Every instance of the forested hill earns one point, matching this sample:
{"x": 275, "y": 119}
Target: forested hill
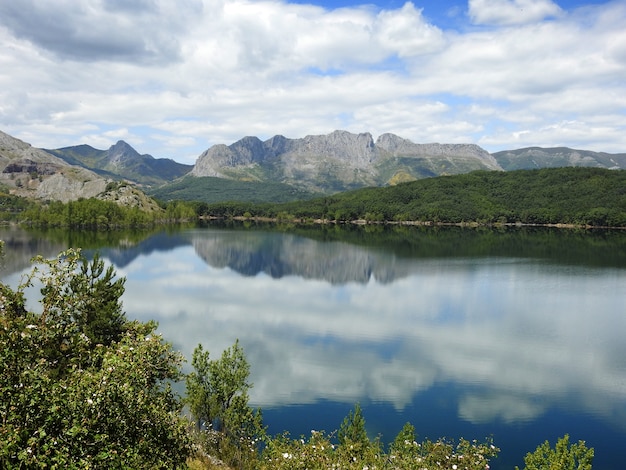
{"x": 584, "y": 196}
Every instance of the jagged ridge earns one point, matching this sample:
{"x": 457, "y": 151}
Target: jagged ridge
{"x": 338, "y": 161}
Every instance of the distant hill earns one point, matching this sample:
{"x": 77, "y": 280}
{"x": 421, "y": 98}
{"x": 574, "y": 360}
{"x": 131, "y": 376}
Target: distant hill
{"x": 339, "y": 161}
{"x": 123, "y": 161}
{"x": 537, "y": 157}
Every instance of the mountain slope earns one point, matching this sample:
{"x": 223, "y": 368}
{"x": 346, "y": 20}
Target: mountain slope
{"x": 537, "y": 157}
{"x": 593, "y": 196}
{"x": 338, "y": 161}
{"x": 34, "y": 173}
{"x": 210, "y": 189}
{"x": 123, "y": 161}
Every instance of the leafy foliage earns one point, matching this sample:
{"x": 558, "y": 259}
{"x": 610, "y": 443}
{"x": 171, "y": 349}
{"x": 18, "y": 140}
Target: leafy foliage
{"x": 11, "y": 207}
{"x": 564, "y": 456}
{"x": 217, "y": 394}
{"x": 75, "y": 396}
{"x": 320, "y": 451}
{"x": 95, "y": 214}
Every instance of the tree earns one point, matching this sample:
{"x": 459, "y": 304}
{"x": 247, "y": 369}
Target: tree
{"x": 70, "y": 403}
{"x": 217, "y": 394}
{"x": 354, "y": 445}
{"x": 564, "y": 456}
{"x": 352, "y": 429}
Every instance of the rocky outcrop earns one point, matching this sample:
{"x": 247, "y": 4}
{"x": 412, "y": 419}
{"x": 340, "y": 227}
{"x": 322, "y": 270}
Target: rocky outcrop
{"x": 30, "y": 172}
{"x": 69, "y": 186}
{"x": 338, "y": 161}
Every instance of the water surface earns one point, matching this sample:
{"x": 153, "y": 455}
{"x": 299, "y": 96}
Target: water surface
{"x": 515, "y": 334}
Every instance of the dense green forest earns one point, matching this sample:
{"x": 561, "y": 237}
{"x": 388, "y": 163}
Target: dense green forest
{"x": 210, "y": 190}
{"x": 101, "y": 215}
{"x": 581, "y": 196}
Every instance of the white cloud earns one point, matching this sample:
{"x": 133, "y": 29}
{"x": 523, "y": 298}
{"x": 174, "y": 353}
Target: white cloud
{"x": 181, "y": 77}
{"x": 507, "y": 12}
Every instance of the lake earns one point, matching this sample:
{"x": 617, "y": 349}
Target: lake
{"x": 516, "y": 334}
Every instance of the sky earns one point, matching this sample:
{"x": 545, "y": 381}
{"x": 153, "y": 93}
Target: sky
{"x": 174, "y": 78}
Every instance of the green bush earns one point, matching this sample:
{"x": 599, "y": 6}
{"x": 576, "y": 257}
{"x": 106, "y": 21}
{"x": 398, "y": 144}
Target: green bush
{"x": 564, "y": 456}
{"x": 73, "y": 399}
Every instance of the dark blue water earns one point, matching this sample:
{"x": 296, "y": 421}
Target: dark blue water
{"x": 516, "y": 335}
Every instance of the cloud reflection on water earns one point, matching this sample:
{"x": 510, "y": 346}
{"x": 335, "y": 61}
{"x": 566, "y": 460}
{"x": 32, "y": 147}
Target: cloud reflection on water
{"x": 523, "y": 335}
{"x": 345, "y": 323}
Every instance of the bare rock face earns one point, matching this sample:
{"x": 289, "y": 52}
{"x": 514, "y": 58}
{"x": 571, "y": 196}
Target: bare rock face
{"x": 340, "y": 160}
{"x": 68, "y": 186}
{"x": 30, "y": 172}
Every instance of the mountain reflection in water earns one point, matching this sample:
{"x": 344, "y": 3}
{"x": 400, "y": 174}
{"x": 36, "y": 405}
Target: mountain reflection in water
{"x": 461, "y": 332}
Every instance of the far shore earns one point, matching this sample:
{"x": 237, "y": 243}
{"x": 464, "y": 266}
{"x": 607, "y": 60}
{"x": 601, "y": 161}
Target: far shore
{"x": 422, "y": 223}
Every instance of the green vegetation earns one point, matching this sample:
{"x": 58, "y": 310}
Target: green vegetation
{"x": 102, "y": 215}
{"x": 84, "y": 387}
{"x": 12, "y": 207}
{"x": 218, "y": 400}
{"x": 81, "y": 386}
{"x": 211, "y": 190}
{"x": 575, "y": 196}
{"x": 564, "y": 456}
{"x": 580, "y": 196}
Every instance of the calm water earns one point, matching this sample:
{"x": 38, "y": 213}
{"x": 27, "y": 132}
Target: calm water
{"x": 517, "y": 335}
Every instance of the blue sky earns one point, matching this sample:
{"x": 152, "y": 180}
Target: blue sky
{"x": 174, "y": 78}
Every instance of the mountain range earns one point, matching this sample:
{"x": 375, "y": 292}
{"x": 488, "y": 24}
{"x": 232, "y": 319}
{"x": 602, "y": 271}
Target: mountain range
{"x": 315, "y": 164}
{"x": 123, "y": 160}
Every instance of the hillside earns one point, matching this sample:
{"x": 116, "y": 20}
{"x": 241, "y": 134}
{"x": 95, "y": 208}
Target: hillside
{"x": 532, "y": 158}
{"x": 29, "y": 172}
{"x": 211, "y": 189}
{"x": 581, "y": 196}
{"x": 121, "y": 161}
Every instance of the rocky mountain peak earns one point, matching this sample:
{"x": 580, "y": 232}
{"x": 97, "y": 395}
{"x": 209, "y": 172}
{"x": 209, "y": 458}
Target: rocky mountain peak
{"x": 338, "y": 161}
{"x": 121, "y": 153}
{"x": 391, "y": 142}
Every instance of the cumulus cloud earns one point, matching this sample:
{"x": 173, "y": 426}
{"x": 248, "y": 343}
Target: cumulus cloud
{"x": 94, "y": 30}
{"x": 507, "y": 12}
{"x": 181, "y": 77}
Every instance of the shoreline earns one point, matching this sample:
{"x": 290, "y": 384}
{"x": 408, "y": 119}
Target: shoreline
{"x": 418, "y": 223}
